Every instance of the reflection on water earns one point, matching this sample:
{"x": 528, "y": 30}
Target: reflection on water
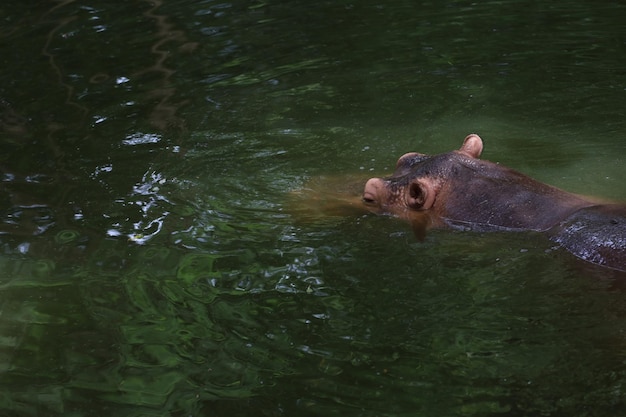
{"x": 167, "y": 174}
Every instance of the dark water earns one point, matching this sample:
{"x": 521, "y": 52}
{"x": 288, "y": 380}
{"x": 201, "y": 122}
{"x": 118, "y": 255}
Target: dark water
{"x": 152, "y": 264}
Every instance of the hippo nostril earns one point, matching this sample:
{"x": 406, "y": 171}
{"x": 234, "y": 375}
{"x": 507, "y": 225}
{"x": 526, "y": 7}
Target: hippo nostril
{"x": 371, "y": 192}
{"x": 368, "y": 198}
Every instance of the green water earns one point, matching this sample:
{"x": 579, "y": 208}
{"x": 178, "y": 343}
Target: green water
{"x": 152, "y": 263}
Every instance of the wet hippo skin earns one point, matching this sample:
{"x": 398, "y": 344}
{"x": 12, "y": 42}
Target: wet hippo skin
{"x": 459, "y": 190}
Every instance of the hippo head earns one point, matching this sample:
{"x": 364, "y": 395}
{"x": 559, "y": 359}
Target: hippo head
{"x": 459, "y": 189}
{"x": 419, "y": 179}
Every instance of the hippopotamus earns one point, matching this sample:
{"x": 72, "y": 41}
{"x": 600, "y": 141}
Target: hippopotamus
{"x": 461, "y": 191}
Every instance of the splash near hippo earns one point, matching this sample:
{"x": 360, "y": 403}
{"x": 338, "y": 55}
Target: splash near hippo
{"x": 461, "y": 191}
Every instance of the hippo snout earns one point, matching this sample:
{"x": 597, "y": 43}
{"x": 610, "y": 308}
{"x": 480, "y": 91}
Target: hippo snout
{"x": 372, "y": 191}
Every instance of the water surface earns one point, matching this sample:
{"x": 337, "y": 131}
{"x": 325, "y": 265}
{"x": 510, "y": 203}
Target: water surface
{"x": 152, "y": 260}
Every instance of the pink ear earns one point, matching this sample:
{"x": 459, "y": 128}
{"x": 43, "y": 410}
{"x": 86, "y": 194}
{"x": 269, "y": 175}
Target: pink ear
{"x": 421, "y": 194}
{"x": 472, "y": 146}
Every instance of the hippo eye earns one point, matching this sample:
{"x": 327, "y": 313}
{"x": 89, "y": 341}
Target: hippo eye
{"x": 409, "y": 159}
{"x": 404, "y": 159}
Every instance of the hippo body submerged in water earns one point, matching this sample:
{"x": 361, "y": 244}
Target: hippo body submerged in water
{"x": 458, "y": 190}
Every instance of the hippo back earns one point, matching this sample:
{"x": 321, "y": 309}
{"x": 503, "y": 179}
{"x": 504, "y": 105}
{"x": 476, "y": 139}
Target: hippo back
{"x": 596, "y": 234}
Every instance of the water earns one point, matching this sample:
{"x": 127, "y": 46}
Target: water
{"x": 155, "y": 261}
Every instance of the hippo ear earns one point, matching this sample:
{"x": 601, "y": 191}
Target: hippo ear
{"x": 420, "y": 195}
{"x": 472, "y": 146}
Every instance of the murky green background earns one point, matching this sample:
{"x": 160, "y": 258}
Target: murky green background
{"x": 152, "y": 264}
